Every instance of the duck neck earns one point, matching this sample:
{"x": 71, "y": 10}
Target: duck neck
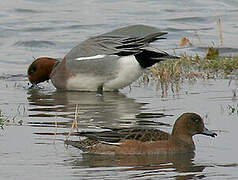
{"x": 182, "y": 137}
{"x": 178, "y": 145}
{"x": 52, "y": 63}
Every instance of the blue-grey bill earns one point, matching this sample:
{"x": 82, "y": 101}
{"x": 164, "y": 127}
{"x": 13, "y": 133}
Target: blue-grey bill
{"x": 208, "y": 132}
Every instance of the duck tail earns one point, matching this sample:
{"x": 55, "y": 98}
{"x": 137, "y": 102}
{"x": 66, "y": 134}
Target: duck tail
{"x": 149, "y": 56}
{"x": 83, "y": 145}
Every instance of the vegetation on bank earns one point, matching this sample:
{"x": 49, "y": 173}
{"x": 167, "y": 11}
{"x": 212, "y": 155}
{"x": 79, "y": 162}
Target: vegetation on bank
{"x": 172, "y": 73}
{"x": 192, "y": 68}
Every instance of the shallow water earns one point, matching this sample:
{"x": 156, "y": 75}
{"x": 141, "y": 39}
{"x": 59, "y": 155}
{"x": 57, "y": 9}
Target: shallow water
{"x": 34, "y": 28}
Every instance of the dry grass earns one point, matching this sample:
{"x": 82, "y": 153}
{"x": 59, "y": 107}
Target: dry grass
{"x": 75, "y": 122}
{"x": 220, "y": 31}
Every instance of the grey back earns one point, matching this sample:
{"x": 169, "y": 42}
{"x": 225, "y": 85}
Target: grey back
{"x": 124, "y": 41}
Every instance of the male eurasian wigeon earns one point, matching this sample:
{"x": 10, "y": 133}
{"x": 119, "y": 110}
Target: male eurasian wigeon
{"x": 145, "y": 141}
{"x": 106, "y": 62}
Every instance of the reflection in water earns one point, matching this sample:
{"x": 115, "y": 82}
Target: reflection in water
{"x": 110, "y": 109}
{"x": 148, "y": 165}
{"x": 110, "y": 106}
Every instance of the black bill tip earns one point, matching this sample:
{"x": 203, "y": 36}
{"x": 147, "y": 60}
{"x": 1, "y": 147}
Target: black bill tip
{"x": 208, "y": 133}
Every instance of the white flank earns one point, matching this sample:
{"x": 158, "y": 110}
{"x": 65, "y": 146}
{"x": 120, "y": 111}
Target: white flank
{"x": 128, "y": 71}
{"x": 91, "y": 57}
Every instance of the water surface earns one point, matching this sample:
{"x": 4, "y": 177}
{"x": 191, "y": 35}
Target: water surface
{"x": 34, "y": 28}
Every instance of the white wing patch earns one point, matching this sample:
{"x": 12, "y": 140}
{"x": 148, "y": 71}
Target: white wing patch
{"x": 100, "y": 56}
{"x": 111, "y": 143}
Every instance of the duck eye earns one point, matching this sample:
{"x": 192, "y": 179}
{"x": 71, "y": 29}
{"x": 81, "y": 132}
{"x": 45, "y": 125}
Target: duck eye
{"x": 196, "y": 120}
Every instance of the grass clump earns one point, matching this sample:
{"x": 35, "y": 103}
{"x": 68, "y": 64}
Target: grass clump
{"x": 188, "y": 67}
{"x": 174, "y": 72}
{"x": 3, "y": 121}
{"x": 232, "y": 109}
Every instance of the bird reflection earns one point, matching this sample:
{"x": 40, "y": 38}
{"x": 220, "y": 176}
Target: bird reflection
{"x": 180, "y": 163}
{"x": 107, "y": 108}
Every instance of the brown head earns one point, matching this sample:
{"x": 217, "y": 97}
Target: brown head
{"x": 189, "y": 124}
{"x": 40, "y": 70}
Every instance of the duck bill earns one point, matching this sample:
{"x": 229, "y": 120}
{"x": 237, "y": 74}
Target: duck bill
{"x": 208, "y": 133}
{"x": 33, "y": 86}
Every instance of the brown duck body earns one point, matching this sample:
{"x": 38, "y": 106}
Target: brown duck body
{"x": 135, "y": 147}
{"x": 148, "y": 142}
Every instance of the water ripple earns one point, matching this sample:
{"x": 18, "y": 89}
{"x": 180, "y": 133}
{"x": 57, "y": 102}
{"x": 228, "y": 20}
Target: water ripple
{"x": 195, "y": 19}
{"x": 34, "y": 43}
{"x": 24, "y": 10}
{"x": 41, "y": 29}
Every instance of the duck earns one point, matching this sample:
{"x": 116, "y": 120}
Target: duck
{"x": 144, "y": 141}
{"x": 107, "y": 62}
